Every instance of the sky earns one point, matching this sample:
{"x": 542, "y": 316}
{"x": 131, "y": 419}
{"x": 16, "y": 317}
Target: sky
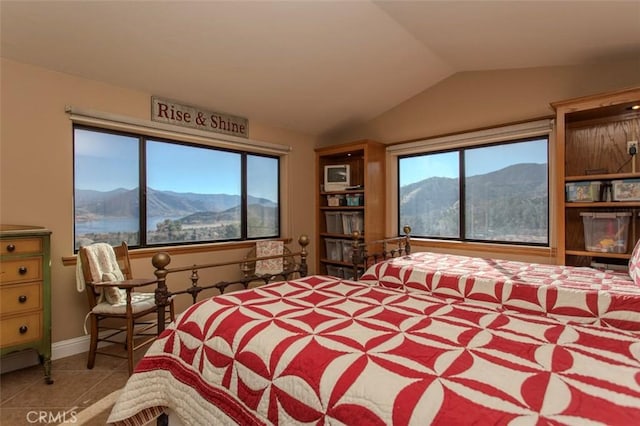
{"x": 105, "y": 162}
{"x": 108, "y": 161}
{"x": 478, "y": 161}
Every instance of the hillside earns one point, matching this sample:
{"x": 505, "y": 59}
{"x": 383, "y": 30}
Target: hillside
{"x": 503, "y": 205}
{"x": 124, "y": 203}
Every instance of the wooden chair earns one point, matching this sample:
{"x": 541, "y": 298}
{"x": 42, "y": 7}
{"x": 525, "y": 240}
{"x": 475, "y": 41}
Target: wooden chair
{"x": 130, "y": 306}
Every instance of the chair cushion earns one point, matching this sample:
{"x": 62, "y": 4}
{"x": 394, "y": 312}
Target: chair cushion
{"x": 114, "y": 295}
{"x": 139, "y": 302}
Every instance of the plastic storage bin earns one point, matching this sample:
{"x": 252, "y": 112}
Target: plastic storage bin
{"x": 334, "y": 222}
{"x": 334, "y": 249}
{"x": 626, "y": 190}
{"x": 582, "y": 191}
{"x": 355, "y": 199}
{"x": 347, "y": 250}
{"x": 606, "y": 232}
{"x": 348, "y": 273}
{"x": 336, "y": 271}
{"x": 340, "y": 272}
{"x": 352, "y": 221}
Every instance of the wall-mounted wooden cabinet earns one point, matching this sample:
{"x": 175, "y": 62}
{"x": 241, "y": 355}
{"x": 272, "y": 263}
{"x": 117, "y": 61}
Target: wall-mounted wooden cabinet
{"x": 361, "y": 207}
{"x": 595, "y": 171}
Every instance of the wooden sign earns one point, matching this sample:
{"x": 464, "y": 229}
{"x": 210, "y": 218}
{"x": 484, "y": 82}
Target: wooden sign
{"x": 167, "y": 111}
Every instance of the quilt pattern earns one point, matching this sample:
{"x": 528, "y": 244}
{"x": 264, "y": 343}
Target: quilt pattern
{"x": 320, "y": 350}
{"x": 564, "y": 292}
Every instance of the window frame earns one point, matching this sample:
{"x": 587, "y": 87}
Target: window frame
{"x": 142, "y": 140}
{"x": 509, "y": 133}
{"x": 462, "y": 194}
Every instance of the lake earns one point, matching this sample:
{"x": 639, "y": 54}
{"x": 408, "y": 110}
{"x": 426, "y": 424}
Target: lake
{"x": 117, "y": 224}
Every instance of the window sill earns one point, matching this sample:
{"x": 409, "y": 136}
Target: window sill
{"x": 148, "y": 252}
{"x": 487, "y": 249}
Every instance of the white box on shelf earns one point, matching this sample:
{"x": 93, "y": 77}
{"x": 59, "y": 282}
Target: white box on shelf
{"x": 335, "y": 200}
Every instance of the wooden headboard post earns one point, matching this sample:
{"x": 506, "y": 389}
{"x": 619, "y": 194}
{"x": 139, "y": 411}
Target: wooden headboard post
{"x": 303, "y": 241}
{"x": 160, "y": 261}
{"x": 407, "y": 240}
{"x": 358, "y": 252}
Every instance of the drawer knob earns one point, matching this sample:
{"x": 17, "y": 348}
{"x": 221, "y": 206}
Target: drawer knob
{"x": 11, "y": 248}
{"x": 22, "y": 298}
{"x": 23, "y": 329}
{"x": 22, "y": 270}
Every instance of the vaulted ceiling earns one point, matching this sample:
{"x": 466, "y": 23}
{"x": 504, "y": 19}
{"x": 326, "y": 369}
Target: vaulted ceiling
{"x": 310, "y": 66}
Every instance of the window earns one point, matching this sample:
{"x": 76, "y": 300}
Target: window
{"x": 192, "y": 193}
{"x": 490, "y": 193}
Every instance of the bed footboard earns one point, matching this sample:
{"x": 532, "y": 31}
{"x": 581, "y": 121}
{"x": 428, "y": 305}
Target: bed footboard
{"x": 367, "y": 253}
{"x": 292, "y": 267}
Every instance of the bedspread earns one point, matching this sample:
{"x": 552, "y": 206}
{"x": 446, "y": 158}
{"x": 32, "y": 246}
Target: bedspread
{"x": 564, "y": 292}
{"x": 320, "y": 350}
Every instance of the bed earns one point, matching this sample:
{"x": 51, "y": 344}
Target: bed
{"x": 323, "y": 350}
{"x": 582, "y": 294}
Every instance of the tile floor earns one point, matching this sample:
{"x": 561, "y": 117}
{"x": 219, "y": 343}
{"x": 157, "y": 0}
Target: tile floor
{"x": 74, "y": 388}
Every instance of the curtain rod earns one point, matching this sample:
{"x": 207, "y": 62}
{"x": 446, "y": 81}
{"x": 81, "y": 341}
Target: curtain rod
{"x": 118, "y": 122}
{"x": 495, "y": 134}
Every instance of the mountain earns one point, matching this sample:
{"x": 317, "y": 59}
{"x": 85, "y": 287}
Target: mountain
{"x": 124, "y": 203}
{"x": 259, "y": 212}
{"x": 514, "y": 198}
{"x": 117, "y": 203}
{"x": 175, "y": 204}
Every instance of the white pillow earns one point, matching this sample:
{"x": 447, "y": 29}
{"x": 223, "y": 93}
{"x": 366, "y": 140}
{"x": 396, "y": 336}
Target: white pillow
{"x": 114, "y": 295}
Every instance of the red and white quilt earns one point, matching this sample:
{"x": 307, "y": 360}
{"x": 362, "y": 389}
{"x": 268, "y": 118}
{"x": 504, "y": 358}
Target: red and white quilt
{"x": 319, "y": 350}
{"x": 565, "y": 292}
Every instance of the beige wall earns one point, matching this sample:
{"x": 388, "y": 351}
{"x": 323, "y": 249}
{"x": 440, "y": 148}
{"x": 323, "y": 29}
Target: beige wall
{"x": 475, "y": 100}
{"x": 36, "y": 171}
{"x": 36, "y": 148}
{"x": 472, "y": 100}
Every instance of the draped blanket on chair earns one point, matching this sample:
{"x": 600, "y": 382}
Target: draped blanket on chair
{"x": 104, "y": 267}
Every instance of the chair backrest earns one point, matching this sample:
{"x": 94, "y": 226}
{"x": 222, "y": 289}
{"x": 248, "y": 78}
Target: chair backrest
{"x": 122, "y": 257}
{"x": 265, "y": 248}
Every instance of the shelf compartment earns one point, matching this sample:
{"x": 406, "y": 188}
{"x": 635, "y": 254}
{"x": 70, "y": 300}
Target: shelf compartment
{"x": 598, "y": 254}
{"x": 608, "y": 176}
{"x": 604, "y": 204}
{"x": 336, "y": 262}
{"x": 367, "y": 168}
{"x": 349, "y": 207}
{"x": 344, "y": 236}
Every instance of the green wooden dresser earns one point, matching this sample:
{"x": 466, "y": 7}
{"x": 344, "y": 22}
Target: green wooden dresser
{"x": 25, "y": 292}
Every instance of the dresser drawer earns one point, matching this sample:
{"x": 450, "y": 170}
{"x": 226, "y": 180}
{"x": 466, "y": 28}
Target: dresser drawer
{"x": 20, "y": 329}
{"x": 21, "y": 246}
{"x": 25, "y": 292}
{"x": 20, "y": 297}
{"x": 21, "y": 270}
